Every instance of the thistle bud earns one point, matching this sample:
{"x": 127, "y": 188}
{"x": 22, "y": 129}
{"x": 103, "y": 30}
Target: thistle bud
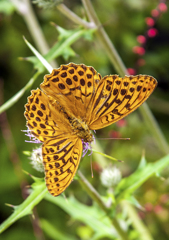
{"x": 110, "y": 177}
{"x": 36, "y": 159}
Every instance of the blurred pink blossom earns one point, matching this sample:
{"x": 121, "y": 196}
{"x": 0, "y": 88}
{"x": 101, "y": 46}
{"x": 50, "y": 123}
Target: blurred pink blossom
{"x": 121, "y": 123}
{"x": 141, "y": 39}
{"x": 139, "y": 50}
{"x": 155, "y": 13}
{"x": 131, "y": 71}
{"x": 162, "y": 7}
{"x": 148, "y": 206}
{"x": 150, "y": 21}
{"x": 152, "y": 32}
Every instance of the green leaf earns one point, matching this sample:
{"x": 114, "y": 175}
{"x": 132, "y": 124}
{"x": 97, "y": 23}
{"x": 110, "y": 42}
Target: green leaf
{"x": 39, "y": 56}
{"x": 91, "y": 216}
{"x": 25, "y": 208}
{"x": 68, "y": 52}
{"x": 128, "y": 185}
{"x": 53, "y": 231}
{"x": 143, "y": 162}
{"x": 6, "y": 7}
{"x": 19, "y": 94}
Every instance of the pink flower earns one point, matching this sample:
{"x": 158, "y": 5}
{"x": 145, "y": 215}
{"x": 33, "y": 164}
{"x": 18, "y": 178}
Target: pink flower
{"x": 155, "y": 13}
{"x": 158, "y": 209}
{"x": 141, "y": 39}
{"x": 139, "y": 50}
{"x": 121, "y": 123}
{"x": 150, "y": 21}
{"x": 152, "y": 32}
{"x": 162, "y": 7}
{"x": 32, "y": 138}
{"x": 114, "y": 134}
{"x": 148, "y": 206}
{"x": 164, "y": 198}
{"x": 131, "y": 71}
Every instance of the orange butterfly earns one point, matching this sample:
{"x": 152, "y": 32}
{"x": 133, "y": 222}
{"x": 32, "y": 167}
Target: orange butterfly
{"x": 73, "y": 100}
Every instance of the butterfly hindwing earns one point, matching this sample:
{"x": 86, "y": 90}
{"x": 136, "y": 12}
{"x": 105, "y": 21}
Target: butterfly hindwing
{"x": 61, "y": 157}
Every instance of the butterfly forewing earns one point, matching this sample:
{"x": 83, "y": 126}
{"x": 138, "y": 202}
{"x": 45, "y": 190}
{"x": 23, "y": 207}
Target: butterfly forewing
{"x": 44, "y": 117}
{"x": 61, "y": 158}
{"x": 125, "y": 95}
{"x": 73, "y": 86}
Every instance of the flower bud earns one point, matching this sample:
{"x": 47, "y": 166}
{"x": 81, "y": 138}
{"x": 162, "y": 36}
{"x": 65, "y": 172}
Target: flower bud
{"x": 110, "y": 177}
{"x": 36, "y": 159}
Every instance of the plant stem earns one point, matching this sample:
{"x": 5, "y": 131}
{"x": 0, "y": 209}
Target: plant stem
{"x": 91, "y": 191}
{"x": 25, "y": 9}
{"x": 26, "y": 207}
{"x": 159, "y": 105}
{"x": 19, "y": 94}
{"x": 103, "y": 37}
{"x": 152, "y": 124}
{"x": 136, "y": 221}
{"x": 96, "y": 197}
{"x": 76, "y": 19}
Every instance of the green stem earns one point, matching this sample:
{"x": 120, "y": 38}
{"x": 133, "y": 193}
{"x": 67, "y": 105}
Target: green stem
{"x": 91, "y": 191}
{"x": 152, "y": 124}
{"x": 70, "y": 40}
{"x": 159, "y": 105}
{"x": 19, "y": 94}
{"x": 96, "y": 197}
{"x": 103, "y": 37}
{"x": 25, "y": 9}
{"x": 136, "y": 221}
{"x": 76, "y": 19}
{"x": 26, "y": 207}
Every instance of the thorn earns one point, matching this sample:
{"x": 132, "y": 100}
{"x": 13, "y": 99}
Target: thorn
{"x": 33, "y": 216}
{"x": 120, "y": 160}
{"x": 53, "y": 24}
{"x": 9, "y": 205}
{"x": 22, "y": 58}
{"x": 27, "y": 173}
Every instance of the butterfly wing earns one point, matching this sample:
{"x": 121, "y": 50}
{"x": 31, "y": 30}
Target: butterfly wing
{"x": 116, "y": 97}
{"x": 44, "y": 117}
{"x": 61, "y": 157}
{"x": 73, "y": 86}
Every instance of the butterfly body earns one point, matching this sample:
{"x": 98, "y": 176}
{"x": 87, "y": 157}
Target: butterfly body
{"x": 74, "y": 100}
{"x": 81, "y": 129}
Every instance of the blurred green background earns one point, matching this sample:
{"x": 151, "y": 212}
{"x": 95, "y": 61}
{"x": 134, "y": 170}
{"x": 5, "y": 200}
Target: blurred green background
{"x": 123, "y": 22}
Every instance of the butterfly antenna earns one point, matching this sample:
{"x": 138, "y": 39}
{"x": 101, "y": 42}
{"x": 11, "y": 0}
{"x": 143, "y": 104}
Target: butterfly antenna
{"x": 113, "y": 138}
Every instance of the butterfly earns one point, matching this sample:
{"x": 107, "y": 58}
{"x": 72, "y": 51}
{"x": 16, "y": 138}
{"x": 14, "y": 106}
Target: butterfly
{"x": 73, "y": 100}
